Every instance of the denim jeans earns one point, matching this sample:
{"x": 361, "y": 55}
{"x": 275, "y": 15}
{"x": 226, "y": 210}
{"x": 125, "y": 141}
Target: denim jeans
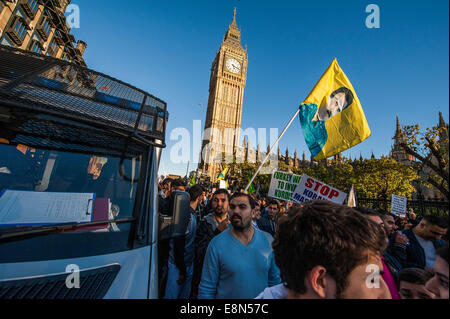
{"x": 173, "y": 289}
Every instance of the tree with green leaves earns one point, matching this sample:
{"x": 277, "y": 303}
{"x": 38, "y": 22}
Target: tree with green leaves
{"x": 380, "y": 178}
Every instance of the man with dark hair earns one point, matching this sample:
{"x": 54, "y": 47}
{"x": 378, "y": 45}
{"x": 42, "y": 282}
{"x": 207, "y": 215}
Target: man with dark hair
{"x": 390, "y": 264}
{"x": 166, "y": 186}
{"x": 268, "y": 223}
{"x": 256, "y": 214}
{"x": 325, "y": 250}
{"x": 239, "y": 262}
{"x": 439, "y": 283}
{"x": 163, "y": 199}
{"x": 181, "y": 254}
{"x": 389, "y": 223}
{"x": 424, "y": 240}
{"x": 412, "y": 283}
{"x": 178, "y": 185}
{"x": 371, "y": 214}
{"x": 215, "y": 222}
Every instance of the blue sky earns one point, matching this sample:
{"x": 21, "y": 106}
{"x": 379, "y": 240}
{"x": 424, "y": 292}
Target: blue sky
{"x": 166, "y": 48}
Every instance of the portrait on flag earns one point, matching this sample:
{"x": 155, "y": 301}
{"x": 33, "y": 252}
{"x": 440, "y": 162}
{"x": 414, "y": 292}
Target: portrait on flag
{"x": 331, "y": 116}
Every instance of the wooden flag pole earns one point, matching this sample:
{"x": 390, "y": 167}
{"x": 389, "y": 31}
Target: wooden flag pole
{"x": 270, "y": 151}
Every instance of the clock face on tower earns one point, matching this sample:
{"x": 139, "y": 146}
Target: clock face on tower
{"x": 233, "y": 65}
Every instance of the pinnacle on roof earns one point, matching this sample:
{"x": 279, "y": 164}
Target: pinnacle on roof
{"x": 441, "y": 120}
{"x": 233, "y": 23}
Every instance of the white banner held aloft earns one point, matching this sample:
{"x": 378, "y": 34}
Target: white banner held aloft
{"x": 310, "y": 189}
{"x": 398, "y": 205}
{"x": 282, "y": 185}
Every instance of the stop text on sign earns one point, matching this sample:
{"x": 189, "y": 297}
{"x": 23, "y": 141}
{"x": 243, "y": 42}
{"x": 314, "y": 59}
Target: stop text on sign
{"x": 310, "y": 189}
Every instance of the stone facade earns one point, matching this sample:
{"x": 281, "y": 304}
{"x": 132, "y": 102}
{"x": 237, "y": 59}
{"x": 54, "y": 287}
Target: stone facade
{"x": 400, "y": 155}
{"x": 226, "y": 94}
{"x": 39, "y": 26}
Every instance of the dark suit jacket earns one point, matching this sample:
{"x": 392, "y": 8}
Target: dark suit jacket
{"x": 412, "y": 255}
{"x": 267, "y": 224}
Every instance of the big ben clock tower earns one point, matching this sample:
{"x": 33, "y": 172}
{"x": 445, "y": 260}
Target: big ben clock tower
{"x": 226, "y": 93}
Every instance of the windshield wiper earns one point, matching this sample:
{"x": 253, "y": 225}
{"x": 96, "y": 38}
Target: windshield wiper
{"x": 38, "y": 230}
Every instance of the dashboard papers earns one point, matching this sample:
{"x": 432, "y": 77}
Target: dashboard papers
{"x": 44, "y": 208}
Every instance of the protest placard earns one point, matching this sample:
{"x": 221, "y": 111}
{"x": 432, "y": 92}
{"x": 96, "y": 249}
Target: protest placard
{"x": 282, "y": 185}
{"x": 309, "y": 189}
{"x": 398, "y": 205}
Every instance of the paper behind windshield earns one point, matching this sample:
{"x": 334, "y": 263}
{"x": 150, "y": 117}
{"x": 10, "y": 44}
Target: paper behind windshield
{"x": 44, "y": 208}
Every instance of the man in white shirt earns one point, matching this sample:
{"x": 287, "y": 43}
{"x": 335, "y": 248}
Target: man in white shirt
{"x": 424, "y": 240}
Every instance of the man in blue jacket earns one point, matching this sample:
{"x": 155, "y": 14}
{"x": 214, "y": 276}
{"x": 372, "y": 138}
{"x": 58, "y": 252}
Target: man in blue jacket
{"x": 268, "y": 223}
{"x": 424, "y": 240}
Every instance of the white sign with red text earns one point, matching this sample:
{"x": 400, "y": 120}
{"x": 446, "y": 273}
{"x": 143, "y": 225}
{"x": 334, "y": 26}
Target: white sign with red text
{"x": 310, "y": 189}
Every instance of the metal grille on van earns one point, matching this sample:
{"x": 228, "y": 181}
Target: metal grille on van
{"x": 48, "y": 85}
{"x": 94, "y": 284}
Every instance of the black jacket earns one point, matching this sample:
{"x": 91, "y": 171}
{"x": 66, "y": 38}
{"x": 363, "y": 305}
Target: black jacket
{"x": 206, "y": 230}
{"x": 412, "y": 255}
{"x": 267, "y": 224}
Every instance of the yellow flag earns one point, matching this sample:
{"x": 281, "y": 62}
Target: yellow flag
{"x": 222, "y": 175}
{"x": 331, "y": 116}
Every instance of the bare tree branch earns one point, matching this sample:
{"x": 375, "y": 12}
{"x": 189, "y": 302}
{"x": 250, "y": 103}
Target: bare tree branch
{"x": 436, "y": 153}
{"x": 426, "y": 161}
{"x": 441, "y": 188}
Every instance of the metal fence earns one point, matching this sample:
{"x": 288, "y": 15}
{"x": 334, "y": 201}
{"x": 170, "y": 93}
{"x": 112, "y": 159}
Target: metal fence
{"x": 421, "y": 207}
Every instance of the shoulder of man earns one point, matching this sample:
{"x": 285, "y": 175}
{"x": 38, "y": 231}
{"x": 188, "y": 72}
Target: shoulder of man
{"x": 265, "y": 236}
{"x": 220, "y": 239}
{"x": 439, "y": 243}
{"x": 409, "y": 233}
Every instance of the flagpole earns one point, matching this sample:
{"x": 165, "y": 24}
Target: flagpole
{"x": 270, "y": 151}
{"x": 187, "y": 169}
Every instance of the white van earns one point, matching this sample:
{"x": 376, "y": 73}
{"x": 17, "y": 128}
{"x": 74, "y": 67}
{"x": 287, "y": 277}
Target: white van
{"x": 79, "y": 155}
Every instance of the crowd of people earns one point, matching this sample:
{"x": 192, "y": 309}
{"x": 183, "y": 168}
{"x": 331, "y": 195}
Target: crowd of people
{"x": 238, "y": 246}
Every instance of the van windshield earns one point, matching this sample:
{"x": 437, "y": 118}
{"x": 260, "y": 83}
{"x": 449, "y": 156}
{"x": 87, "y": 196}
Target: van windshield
{"x": 45, "y": 187}
{"x": 49, "y": 177}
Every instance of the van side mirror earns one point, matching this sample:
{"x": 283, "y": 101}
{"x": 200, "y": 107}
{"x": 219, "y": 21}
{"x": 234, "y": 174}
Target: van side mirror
{"x": 175, "y": 223}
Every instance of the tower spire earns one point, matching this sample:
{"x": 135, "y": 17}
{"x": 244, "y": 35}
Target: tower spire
{"x": 233, "y": 23}
{"x": 233, "y": 35}
{"x": 441, "y": 120}
{"x": 399, "y": 128}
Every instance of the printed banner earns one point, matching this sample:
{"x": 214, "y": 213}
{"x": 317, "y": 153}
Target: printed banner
{"x": 309, "y": 189}
{"x": 282, "y": 185}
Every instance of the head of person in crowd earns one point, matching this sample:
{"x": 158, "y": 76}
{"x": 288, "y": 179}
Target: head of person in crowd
{"x": 431, "y": 227}
{"x": 411, "y": 283}
{"x": 289, "y": 205}
{"x": 371, "y": 214}
{"x": 411, "y": 215}
{"x": 389, "y": 223}
{"x": 203, "y": 197}
{"x": 273, "y": 208}
{"x": 241, "y": 211}
{"x": 178, "y": 185}
{"x": 166, "y": 184}
{"x": 263, "y": 202}
{"x": 324, "y": 250}
{"x": 220, "y": 202}
{"x": 438, "y": 284}
{"x": 196, "y": 195}
{"x": 256, "y": 211}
